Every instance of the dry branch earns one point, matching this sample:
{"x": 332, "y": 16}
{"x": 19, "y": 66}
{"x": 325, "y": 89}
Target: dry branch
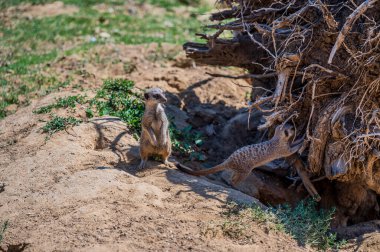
{"x": 284, "y": 46}
{"x": 348, "y": 25}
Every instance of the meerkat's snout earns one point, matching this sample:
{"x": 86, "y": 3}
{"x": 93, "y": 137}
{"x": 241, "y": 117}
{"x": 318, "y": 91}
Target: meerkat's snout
{"x": 163, "y": 98}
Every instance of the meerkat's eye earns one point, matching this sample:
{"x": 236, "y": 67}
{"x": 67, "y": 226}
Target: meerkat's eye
{"x": 146, "y": 96}
{"x": 157, "y": 96}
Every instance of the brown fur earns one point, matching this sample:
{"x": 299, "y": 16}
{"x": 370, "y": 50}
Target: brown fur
{"x": 155, "y": 139}
{"x": 245, "y": 159}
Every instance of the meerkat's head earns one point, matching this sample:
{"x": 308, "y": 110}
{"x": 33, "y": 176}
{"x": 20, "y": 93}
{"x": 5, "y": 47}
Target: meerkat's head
{"x": 154, "y": 95}
{"x": 286, "y": 136}
{"x": 284, "y": 132}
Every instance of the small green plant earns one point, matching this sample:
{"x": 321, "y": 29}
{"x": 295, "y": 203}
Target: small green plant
{"x": 116, "y": 98}
{"x": 305, "y": 223}
{"x": 66, "y": 102}
{"x": 2, "y": 230}
{"x": 59, "y": 123}
{"x": 186, "y": 142}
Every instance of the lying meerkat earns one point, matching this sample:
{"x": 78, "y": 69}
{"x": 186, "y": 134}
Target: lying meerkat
{"x": 155, "y": 139}
{"x": 245, "y": 159}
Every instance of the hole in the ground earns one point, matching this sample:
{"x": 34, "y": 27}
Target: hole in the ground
{"x": 16, "y": 247}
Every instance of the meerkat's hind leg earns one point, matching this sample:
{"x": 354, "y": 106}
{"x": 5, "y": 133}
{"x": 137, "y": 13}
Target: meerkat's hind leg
{"x": 165, "y": 157}
{"x": 142, "y": 163}
{"x": 144, "y": 159}
{"x": 239, "y": 177}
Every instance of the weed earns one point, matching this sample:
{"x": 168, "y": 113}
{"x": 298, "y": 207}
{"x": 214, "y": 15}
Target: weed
{"x": 304, "y": 223}
{"x": 59, "y": 123}
{"x": 116, "y": 98}
{"x": 2, "y": 230}
{"x": 186, "y": 142}
{"x": 89, "y": 113}
{"x": 66, "y": 102}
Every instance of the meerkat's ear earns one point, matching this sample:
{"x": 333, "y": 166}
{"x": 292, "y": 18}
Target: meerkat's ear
{"x": 146, "y": 96}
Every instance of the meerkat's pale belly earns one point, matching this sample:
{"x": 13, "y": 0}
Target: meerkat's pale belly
{"x": 156, "y": 126}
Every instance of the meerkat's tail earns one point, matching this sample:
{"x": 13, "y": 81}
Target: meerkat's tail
{"x": 212, "y": 170}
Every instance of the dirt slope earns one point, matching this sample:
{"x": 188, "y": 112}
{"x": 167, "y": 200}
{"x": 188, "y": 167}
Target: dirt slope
{"x": 80, "y": 191}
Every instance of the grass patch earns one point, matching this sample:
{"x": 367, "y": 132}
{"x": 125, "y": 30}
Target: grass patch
{"x": 20, "y": 66}
{"x": 28, "y": 45}
{"x": 66, "y": 102}
{"x": 116, "y": 98}
{"x": 305, "y": 223}
{"x": 3, "y": 228}
{"x": 59, "y": 123}
{"x": 27, "y": 87}
{"x": 122, "y": 27}
{"x": 81, "y": 3}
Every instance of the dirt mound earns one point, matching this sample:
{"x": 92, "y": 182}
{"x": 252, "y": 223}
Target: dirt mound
{"x": 80, "y": 190}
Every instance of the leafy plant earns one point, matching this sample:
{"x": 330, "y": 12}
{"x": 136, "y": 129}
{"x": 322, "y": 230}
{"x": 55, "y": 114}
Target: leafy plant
{"x": 59, "y": 123}
{"x": 116, "y": 98}
{"x": 2, "y": 230}
{"x": 186, "y": 142}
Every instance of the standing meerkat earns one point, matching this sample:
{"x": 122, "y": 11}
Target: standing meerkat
{"x": 245, "y": 159}
{"x": 155, "y": 139}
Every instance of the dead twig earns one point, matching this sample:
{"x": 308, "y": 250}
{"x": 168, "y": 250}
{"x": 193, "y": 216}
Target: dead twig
{"x": 348, "y": 25}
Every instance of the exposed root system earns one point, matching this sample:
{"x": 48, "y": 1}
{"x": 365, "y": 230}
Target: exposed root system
{"x": 318, "y": 63}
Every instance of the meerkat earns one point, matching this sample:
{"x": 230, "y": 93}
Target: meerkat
{"x": 245, "y": 159}
{"x": 155, "y": 139}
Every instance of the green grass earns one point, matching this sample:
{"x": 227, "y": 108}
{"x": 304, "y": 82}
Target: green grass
{"x": 125, "y": 28}
{"x": 66, "y": 102}
{"x": 81, "y": 3}
{"x": 87, "y": 3}
{"x": 28, "y": 87}
{"x": 305, "y": 223}
{"x": 29, "y": 45}
{"x": 3, "y": 228}
{"x": 59, "y": 123}
{"x": 116, "y": 98}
